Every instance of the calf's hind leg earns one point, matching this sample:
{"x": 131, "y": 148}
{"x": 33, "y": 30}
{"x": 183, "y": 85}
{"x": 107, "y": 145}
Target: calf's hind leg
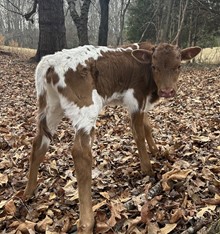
{"x": 82, "y": 157}
{"x": 46, "y": 127}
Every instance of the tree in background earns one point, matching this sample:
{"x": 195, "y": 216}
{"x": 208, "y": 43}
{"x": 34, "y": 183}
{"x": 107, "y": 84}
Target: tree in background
{"x": 80, "y": 20}
{"x": 13, "y": 26}
{"x": 52, "y": 31}
{"x": 103, "y": 28}
{"x": 141, "y": 21}
{"x": 190, "y": 21}
{"x": 123, "y": 10}
{"x": 187, "y": 22}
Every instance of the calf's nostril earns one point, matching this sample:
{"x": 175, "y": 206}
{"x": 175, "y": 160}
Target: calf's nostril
{"x": 167, "y": 93}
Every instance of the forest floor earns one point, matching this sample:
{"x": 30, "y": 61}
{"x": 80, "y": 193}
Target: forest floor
{"x": 184, "y": 196}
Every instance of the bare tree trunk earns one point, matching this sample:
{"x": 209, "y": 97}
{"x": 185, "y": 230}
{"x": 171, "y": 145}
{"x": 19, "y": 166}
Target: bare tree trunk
{"x": 164, "y": 19}
{"x": 81, "y": 21}
{"x": 195, "y": 29}
{"x": 124, "y": 7}
{"x": 103, "y": 28}
{"x": 167, "y": 20}
{"x": 52, "y": 35}
{"x": 189, "y": 43}
{"x": 182, "y": 14}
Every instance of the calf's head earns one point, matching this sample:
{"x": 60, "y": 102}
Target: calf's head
{"x": 165, "y": 60}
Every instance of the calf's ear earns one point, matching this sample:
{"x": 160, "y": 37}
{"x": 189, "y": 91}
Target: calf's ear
{"x": 142, "y": 56}
{"x": 190, "y": 52}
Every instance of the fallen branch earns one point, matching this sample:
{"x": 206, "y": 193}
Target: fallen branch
{"x": 155, "y": 191}
{"x": 199, "y": 224}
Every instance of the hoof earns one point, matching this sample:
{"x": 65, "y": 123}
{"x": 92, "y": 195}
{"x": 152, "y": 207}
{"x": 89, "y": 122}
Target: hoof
{"x": 148, "y": 171}
{"x": 27, "y": 195}
{"x": 154, "y": 151}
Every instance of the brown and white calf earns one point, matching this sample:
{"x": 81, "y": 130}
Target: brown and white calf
{"x": 77, "y": 83}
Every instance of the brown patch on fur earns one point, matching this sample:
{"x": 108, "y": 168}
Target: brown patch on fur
{"x": 167, "y": 53}
{"x": 143, "y": 45}
{"x": 147, "y": 46}
{"x": 42, "y": 126}
{"x": 51, "y": 76}
{"x": 79, "y": 86}
{"x": 42, "y": 102}
{"x": 119, "y": 71}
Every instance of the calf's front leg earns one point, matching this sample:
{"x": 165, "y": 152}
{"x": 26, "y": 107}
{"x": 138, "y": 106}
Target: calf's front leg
{"x": 138, "y": 130}
{"x": 82, "y": 157}
{"x": 148, "y": 135}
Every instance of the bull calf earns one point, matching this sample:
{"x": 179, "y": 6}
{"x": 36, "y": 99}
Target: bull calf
{"x": 77, "y": 83}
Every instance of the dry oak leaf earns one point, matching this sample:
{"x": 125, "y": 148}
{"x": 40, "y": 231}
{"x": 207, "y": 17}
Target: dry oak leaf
{"x": 145, "y": 213}
{"x": 66, "y": 224}
{"x": 43, "y": 224}
{"x": 10, "y": 207}
{"x": 177, "y": 215}
{"x": 2, "y": 203}
{"x": 208, "y": 208}
{"x": 26, "y": 227}
{"x": 152, "y": 227}
{"x": 3, "y": 179}
{"x": 168, "y": 228}
{"x": 131, "y": 224}
{"x": 212, "y": 201}
{"x": 116, "y": 209}
{"x": 100, "y": 204}
{"x": 175, "y": 174}
{"x": 202, "y": 139}
{"x": 102, "y": 225}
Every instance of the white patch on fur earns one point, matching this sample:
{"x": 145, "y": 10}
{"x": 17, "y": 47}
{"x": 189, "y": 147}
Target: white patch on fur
{"x": 130, "y": 101}
{"x": 115, "y": 99}
{"x": 68, "y": 59}
{"x": 125, "y": 98}
{"x": 136, "y": 44}
{"x": 85, "y": 117}
{"x": 54, "y": 112}
{"x": 148, "y": 106}
{"x": 45, "y": 141}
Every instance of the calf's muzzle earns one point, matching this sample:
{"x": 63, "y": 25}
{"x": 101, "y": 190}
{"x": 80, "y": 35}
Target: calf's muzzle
{"x": 167, "y": 93}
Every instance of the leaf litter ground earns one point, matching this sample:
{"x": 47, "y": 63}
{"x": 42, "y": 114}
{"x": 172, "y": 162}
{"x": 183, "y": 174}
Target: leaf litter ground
{"x": 184, "y": 196}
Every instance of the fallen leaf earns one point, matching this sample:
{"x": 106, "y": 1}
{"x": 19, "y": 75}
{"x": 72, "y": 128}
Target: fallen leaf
{"x": 3, "y": 179}
{"x": 10, "y": 207}
{"x": 43, "y": 224}
{"x": 105, "y": 195}
{"x": 152, "y": 228}
{"x": 208, "y": 208}
{"x": 201, "y": 138}
{"x": 168, "y": 228}
{"x": 116, "y": 208}
{"x": 98, "y": 205}
{"x": 178, "y": 214}
{"x": 26, "y": 227}
{"x": 145, "y": 213}
{"x": 2, "y": 203}
{"x": 174, "y": 174}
